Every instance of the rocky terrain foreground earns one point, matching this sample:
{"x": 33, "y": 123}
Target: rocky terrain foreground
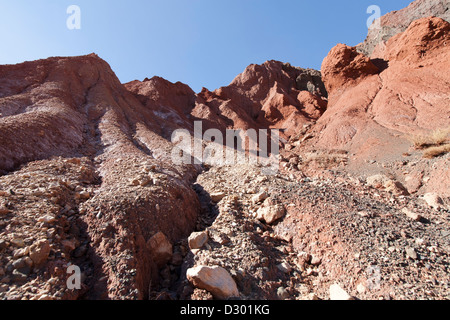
{"x": 359, "y": 209}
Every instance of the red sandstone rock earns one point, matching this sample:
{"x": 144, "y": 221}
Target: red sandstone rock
{"x": 373, "y": 114}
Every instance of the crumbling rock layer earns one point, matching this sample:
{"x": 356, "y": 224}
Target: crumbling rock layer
{"x": 377, "y": 104}
{"x": 72, "y": 108}
{"x": 397, "y": 22}
{"x": 271, "y": 95}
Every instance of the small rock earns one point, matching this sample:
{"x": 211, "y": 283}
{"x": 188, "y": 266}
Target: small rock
{"x": 85, "y": 195}
{"x": 410, "y": 214}
{"x": 3, "y": 244}
{"x": 198, "y": 239}
{"x": 161, "y": 249}
{"x": 433, "y": 200}
{"x": 271, "y": 214}
{"x": 377, "y": 181}
{"x": 216, "y": 280}
{"x": 146, "y": 181}
{"x": 315, "y": 261}
{"x": 47, "y": 219}
{"x": 337, "y": 293}
{"x": 19, "y": 277}
{"x": 396, "y": 188}
{"x": 18, "y": 242}
{"x": 260, "y": 197}
{"x": 411, "y": 253}
{"x": 312, "y": 297}
{"x": 69, "y": 245}
{"x": 217, "y": 196}
{"x": 134, "y": 182}
{"x": 284, "y": 267}
{"x": 3, "y": 211}
{"x": 282, "y": 293}
{"x": 21, "y": 252}
{"x": 361, "y": 288}
{"x": 39, "y": 252}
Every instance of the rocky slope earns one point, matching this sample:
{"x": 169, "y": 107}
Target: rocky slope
{"x": 396, "y": 22}
{"x": 377, "y": 106}
{"x": 355, "y": 211}
{"x": 271, "y": 95}
{"x": 88, "y": 176}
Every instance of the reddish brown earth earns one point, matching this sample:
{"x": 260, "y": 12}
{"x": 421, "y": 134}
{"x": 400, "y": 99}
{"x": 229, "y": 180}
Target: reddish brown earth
{"x": 87, "y": 177}
{"x": 376, "y": 105}
{"x": 84, "y": 133}
{"x": 271, "y": 95}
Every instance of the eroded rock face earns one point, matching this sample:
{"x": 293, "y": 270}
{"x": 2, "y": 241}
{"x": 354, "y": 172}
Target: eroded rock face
{"x": 273, "y": 94}
{"x": 396, "y": 22}
{"x": 85, "y": 136}
{"x": 376, "y": 104}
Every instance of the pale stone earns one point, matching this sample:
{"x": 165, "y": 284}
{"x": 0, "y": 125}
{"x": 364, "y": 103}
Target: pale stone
{"x": 271, "y": 214}
{"x": 410, "y": 214}
{"x": 433, "y": 200}
{"x": 260, "y": 197}
{"x": 217, "y": 196}
{"x": 198, "y": 239}
{"x": 216, "y": 280}
{"x": 337, "y": 293}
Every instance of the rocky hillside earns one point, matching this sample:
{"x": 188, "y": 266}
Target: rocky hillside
{"x": 360, "y": 207}
{"x": 396, "y": 22}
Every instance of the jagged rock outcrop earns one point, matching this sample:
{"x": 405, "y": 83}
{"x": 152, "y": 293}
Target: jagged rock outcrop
{"x": 273, "y": 94}
{"x": 396, "y": 22}
{"x": 376, "y": 104}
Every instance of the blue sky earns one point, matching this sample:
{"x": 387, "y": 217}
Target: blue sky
{"x": 203, "y": 43}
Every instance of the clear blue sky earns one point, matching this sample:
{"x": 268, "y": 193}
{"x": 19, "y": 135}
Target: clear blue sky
{"x": 198, "y": 42}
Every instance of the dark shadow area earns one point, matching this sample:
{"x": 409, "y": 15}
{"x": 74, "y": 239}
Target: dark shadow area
{"x": 380, "y": 64}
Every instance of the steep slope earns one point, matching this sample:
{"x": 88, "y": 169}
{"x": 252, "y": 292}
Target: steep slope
{"x": 376, "y": 105}
{"x": 89, "y": 176}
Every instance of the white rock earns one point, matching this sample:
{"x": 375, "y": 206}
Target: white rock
{"x": 433, "y": 200}
{"x": 410, "y": 214}
{"x": 361, "y": 288}
{"x": 217, "y": 196}
{"x": 337, "y": 293}
{"x": 271, "y": 214}
{"x": 260, "y": 197}
{"x": 216, "y": 280}
{"x": 198, "y": 239}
